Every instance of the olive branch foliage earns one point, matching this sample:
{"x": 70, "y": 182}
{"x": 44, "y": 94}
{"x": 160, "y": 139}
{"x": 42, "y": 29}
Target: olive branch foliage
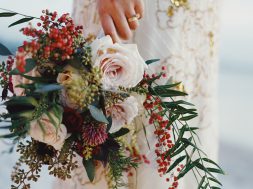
{"x": 178, "y": 112}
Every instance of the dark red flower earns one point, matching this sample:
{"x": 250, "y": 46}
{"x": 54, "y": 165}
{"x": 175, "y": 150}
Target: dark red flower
{"x": 73, "y": 120}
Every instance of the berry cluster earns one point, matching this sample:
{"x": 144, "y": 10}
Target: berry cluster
{"x": 53, "y": 40}
{"x": 153, "y": 105}
{"x": 5, "y": 68}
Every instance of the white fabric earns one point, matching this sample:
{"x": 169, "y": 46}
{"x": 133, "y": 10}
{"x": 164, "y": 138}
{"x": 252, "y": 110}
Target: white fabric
{"x": 185, "y": 38}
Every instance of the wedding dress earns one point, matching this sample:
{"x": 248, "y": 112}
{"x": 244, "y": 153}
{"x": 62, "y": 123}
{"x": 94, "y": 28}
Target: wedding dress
{"x": 184, "y": 35}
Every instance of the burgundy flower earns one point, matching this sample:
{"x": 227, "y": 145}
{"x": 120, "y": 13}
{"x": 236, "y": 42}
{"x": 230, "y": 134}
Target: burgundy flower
{"x": 72, "y": 120}
{"x": 94, "y": 135}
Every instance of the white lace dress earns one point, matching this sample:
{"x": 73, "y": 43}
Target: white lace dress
{"x": 184, "y": 35}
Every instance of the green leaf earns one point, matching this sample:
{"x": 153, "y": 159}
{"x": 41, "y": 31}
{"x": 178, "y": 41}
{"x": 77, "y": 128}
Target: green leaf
{"x": 175, "y": 104}
{"x": 36, "y": 79}
{"x": 29, "y": 66}
{"x": 121, "y": 132}
{"x": 176, "y": 163}
{"x": 109, "y": 124}
{"x": 201, "y": 182}
{"x": 167, "y": 93}
{"x": 12, "y": 135}
{"x": 215, "y": 180}
{"x": 7, "y": 14}
{"x": 215, "y": 187}
{"x": 188, "y": 141}
{"x": 152, "y": 61}
{"x": 58, "y": 112}
{"x": 22, "y": 100}
{"x": 4, "y": 51}
{"x": 172, "y": 119}
{"x": 187, "y": 118}
{"x": 97, "y": 114}
{"x": 5, "y": 127}
{"x": 187, "y": 168}
{"x": 90, "y": 169}
{"x": 22, "y": 20}
{"x": 212, "y": 162}
{"x": 179, "y": 150}
{"x": 168, "y": 86}
{"x": 47, "y": 88}
{"x": 174, "y": 148}
{"x": 214, "y": 170}
{"x": 145, "y": 133}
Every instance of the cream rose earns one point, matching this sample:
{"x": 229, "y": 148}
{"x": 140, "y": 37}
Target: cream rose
{"x": 123, "y": 113}
{"x": 45, "y": 131}
{"x": 69, "y": 75}
{"x": 121, "y": 64}
{"x": 68, "y": 79}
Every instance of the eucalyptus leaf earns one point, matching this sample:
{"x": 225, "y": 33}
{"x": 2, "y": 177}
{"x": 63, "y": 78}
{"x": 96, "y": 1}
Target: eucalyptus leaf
{"x": 4, "y": 51}
{"x": 98, "y": 114}
{"x": 7, "y": 14}
{"x": 90, "y": 169}
{"x": 48, "y": 88}
{"x": 22, "y": 20}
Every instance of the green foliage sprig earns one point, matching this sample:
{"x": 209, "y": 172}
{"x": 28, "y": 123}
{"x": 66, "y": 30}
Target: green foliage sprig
{"x": 185, "y": 138}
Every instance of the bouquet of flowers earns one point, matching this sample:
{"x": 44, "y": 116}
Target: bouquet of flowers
{"x": 67, "y": 96}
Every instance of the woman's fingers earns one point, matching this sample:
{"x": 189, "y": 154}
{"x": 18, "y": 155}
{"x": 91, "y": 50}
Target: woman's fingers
{"x": 109, "y": 27}
{"x": 132, "y": 18}
{"x": 139, "y": 8}
{"x": 121, "y": 24}
{"x": 119, "y": 17}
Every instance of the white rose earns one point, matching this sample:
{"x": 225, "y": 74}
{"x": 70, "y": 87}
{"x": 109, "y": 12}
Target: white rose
{"x": 53, "y": 134}
{"x": 121, "y": 64}
{"x": 123, "y": 113}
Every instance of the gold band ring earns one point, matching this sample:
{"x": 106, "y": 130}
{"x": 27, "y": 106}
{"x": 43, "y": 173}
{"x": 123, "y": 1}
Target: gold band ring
{"x": 134, "y": 18}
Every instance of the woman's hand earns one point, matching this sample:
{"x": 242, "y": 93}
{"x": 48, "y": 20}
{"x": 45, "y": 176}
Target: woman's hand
{"x": 115, "y": 16}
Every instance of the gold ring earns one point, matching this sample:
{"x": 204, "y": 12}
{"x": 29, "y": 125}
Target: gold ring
{"x": 134, "y": 18}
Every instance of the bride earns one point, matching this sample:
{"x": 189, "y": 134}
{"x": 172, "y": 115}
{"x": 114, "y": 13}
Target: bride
{"x": 184, "y": 35}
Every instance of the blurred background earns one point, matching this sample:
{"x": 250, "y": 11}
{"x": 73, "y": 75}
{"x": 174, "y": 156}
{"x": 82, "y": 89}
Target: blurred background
{"x": 235, "y": 86}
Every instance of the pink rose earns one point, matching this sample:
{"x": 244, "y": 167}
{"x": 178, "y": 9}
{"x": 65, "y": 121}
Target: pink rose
{"x": 51, "y": 133}
{"x": 121, "y": 64}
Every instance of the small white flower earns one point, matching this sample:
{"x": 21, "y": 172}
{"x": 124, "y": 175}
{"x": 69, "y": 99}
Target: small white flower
{"x": 121, "y": 64}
